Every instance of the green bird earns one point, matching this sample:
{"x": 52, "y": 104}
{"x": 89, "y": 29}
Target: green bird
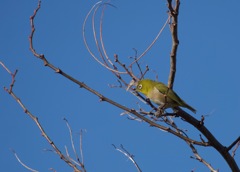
{"x": 160, "y": 94}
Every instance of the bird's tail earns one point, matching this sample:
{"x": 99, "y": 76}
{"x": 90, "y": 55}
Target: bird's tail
{"x": 190, "y": 108}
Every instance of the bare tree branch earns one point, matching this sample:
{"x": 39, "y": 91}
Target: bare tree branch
{"x": 212, "y": 140}
{"x": 173, "y": 13}
{"x": 172, "y": 128}
{"x": 35, "y": 119}
{"x": 102, "y": 97}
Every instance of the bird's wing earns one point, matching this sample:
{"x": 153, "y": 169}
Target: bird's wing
{"x": 162, "y": 88}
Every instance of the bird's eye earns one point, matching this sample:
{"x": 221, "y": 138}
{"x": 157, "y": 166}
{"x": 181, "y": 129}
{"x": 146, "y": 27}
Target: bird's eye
{"x": 140, "y": 86}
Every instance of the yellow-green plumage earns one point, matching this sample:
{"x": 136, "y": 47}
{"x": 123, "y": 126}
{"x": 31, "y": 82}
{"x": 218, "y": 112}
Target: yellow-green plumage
{"x": 160, "y": 94}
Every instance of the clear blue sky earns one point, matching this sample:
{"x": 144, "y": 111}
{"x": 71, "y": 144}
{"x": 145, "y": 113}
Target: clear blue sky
{"x": 207, "y": 78}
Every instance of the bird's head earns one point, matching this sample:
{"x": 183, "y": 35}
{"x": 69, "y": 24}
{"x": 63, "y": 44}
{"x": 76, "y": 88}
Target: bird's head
{"x": 144, "y": 86}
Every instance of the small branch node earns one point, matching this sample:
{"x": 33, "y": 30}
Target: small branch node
{"x": 58, "y": 70}
{"x": 133, "y": 110}
{"x": 25, "y": 111}
{"x": 116, "y": 57}
{"x": 101, "y": 98}
{"x": 202, "y": 120}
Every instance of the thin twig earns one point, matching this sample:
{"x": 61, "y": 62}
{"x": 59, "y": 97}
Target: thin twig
{"x": 101, "y": 31}
{"x": 33, "y": 28}
{"x": 24, "y": 165}
{"x": 71, "y": 139}
{"x": 95, "y": 36}
{"x": 144, "y": 73}
{"x": 137, "y": 62}
{"x": 125, "y": 68}
{"x": 44, "y": 134}
{"x": 235, "y": 149}
{"x": 2, "y": 64}
{"x": 66, "y": 150}
{"x": 233, "y": 143}
{"x": 128, "y": 155}
{"x": 153, "y": 42}
{"x": 199, "y": 158}
{"x": 81, "y": 164}
{"x": 12, "y": 75}
{"x": 71, "y": 159}
{"x": 81, "y": 147}
{"x": 86, "y": 44}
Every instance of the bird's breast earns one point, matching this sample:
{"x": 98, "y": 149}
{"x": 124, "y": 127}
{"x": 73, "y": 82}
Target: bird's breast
{"x": 157, "y": 97}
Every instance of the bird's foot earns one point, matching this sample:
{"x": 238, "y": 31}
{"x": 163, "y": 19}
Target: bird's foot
{"x": 160, "y": 111}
